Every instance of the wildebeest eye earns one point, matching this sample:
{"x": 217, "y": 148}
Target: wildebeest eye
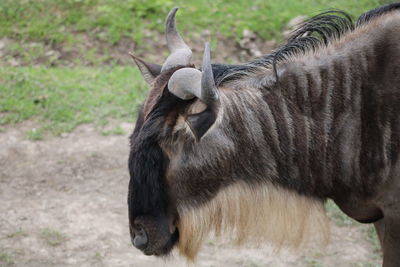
{"x": 200, "y": 123}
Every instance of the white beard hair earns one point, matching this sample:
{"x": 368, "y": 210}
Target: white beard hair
{"x": 253, "y": 214}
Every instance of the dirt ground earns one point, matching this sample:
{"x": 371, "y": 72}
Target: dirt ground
{"x": 63, "y": 203}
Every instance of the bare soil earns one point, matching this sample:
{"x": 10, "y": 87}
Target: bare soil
{"x": 63, "y": 203}
{"x": 153, "y": 48}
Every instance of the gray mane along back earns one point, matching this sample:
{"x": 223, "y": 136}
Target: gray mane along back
{"x": 314, "y": 33}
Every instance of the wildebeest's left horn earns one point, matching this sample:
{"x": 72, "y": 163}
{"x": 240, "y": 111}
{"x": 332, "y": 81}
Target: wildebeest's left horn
{"x": 181, "y": 54}
{"x": 187, "y": 83}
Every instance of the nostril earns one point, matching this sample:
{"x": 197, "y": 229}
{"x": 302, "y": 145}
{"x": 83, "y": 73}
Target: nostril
{"x": 140, "y": 241}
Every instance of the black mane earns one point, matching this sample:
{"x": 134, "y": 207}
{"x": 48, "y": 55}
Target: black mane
{"x": 376, "y": 13}
{"x": 317, "y": 31}
{"x": 147, "y": 187}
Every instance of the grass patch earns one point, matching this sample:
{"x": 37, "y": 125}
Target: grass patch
{"x": 250, "y": 263}
{"x": 6, "y": 259}
{"x": 16, "y": 234}
{"x": 367, "y": 264}
{"x": 35, "y": 134}
{"x": 52, "y": 237}
{"x": 61, "y": 98}
{"x": 98, "y": 256}
{"x": 312, "y": 259}
{"x": 338, "y": 217}
{"x": 341, "y": 219}
{"x": 373, "y": 238}
{"x": 25, "y": 53}
{"x": 313, "y": 262}
{"x": 56, "y": 21}
{"x": 116, "y": 131}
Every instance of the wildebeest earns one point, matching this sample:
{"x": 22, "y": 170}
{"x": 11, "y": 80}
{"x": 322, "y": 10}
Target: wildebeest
{"x": 254, "y": 150}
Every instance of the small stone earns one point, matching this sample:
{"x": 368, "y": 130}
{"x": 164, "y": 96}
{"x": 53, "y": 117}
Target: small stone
{"x": 147, "y": 33}
{"x": 292, "y": 25}
{"x": 287, "y": 34}
{"x": 206, "y": 33}
{"x": 249, "y": 34}
{"x": 296, "y": 21}
{"x": 52, "y": 54}
{"x": 13, "y": 62}
{"x": 49, "y": 53}
{"x": 244, "y": 43}
{"x": 2, "y": 44}
{"x": 33, "y": 45}
{"x": 255, "y": 52}
{"x": 271, "y": 43}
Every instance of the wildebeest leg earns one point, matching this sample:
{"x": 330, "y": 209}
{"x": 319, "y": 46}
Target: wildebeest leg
{"x": 380, "y": 230}
{"x": 391, "y": 241}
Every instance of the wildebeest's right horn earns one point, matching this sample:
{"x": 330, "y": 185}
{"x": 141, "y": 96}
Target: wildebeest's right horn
{"x": 181, "y": 54}
{"x": 187, "y": 83}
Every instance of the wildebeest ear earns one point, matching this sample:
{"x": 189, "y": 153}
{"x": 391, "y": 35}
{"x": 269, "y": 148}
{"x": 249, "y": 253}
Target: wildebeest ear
{"x": 149, "y": 70}
{"x": 201, "y": 122}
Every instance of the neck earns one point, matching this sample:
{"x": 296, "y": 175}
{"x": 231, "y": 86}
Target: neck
{"x": 315, "y": 112}
{"x": 317, "y": 122}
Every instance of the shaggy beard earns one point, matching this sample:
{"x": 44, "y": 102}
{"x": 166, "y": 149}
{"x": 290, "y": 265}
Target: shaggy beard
{"x": 253, "y": 214}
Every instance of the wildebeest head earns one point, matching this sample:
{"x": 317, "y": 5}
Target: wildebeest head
{"x": 199, "y": 161}
{"x": 177, "y": 89}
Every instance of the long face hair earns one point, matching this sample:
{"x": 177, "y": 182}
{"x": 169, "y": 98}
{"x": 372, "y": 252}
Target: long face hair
{"x": 253, "y": 214}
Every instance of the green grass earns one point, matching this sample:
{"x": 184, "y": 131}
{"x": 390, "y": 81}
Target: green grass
{"x": 6, "y": 259}
{"x": 62, "y": 98}
{"x": 16, "y": 234}
{"x": 98, "y": 256}
{"x": 341, "y": 219}
{"x": 56, "y": 21}
{"x": 52, "y": 237}
{"x": 338, "y": 217}
{"x": 115, "y": 131}
{"x": 250, "y": 263}
{"x": 372, "y": 237}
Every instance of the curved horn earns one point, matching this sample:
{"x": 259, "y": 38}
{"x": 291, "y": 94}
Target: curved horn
{"x": 187, "y": 83}
{"x": 181, "y": 54}
{"x": 209, "y": 92}
{"x": 174, "y": 40}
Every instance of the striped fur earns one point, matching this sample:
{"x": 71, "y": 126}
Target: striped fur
{"x": 317, "y": 119}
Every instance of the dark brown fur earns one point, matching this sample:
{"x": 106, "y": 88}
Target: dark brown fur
{"x": 318, "y": 123}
